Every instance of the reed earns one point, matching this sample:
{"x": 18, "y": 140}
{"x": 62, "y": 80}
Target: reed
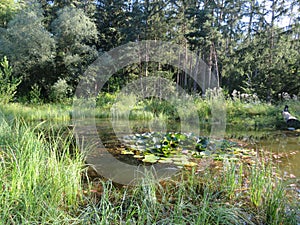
{"x": 41, "y": 182}
{"x": 241, "y": 114}
{"x": 232, "y": 178}
{"x": 53, "y": 112}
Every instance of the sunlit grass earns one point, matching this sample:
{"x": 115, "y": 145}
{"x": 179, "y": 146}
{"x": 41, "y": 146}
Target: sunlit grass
{"x": 192, "y": 198}
{"x": 54, "y": 112}
{"x": 40, "y": 182}
{"x": 240, "y": 114}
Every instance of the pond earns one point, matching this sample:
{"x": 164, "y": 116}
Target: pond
{"x": 284, "y": 144}
{"x": 286, "y": 148}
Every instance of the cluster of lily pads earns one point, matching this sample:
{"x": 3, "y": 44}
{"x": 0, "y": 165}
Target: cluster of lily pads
{"x": 180, "y": 148}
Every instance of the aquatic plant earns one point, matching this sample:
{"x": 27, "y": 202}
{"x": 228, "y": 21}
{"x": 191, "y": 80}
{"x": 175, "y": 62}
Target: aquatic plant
{"x": 189, "y": 197}
{"x": 43, "y": 182}
{"x": 180, "y": 148}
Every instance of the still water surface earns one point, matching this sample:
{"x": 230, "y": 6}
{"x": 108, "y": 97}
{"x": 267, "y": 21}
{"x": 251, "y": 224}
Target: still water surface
{"x": 284, "y": 144}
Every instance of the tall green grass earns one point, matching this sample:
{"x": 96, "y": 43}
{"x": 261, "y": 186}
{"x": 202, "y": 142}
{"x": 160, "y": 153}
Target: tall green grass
{"x": 40, "y": 182}
{"x": 191, "y": 198}
{"x": 242, "y": 114}
{"x": 153, "y": 202}
{"x": 51, "y": 112}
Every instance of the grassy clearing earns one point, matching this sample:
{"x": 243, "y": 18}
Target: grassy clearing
{"x": 53, "y": 112}
{"x": 244, "y": 113}
{"x": 240, "y": 113}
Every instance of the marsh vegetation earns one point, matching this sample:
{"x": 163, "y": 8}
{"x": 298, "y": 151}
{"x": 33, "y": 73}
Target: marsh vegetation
{"x": 236, "y": 65}
{"x": 45, "y": 180}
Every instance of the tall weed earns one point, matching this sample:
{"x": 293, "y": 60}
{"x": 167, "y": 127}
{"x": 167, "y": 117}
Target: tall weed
{"x": 41, "y": 182}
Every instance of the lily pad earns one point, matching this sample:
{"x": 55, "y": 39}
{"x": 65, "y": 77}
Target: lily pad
{"x": 180, "y": 148}
{"x": 127, "y": 152}
{"x": 190, "y": 164}
{"x": 151, "y": 158}
{"x": 165, "y": 160}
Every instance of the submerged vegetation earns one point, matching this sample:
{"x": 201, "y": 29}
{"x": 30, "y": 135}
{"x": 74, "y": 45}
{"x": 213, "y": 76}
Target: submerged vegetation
{"x": 44, "y": 180}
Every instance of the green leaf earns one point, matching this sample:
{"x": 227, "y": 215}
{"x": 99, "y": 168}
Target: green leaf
{"x": 151, "y": 158}
{"x": 127, "y": 152}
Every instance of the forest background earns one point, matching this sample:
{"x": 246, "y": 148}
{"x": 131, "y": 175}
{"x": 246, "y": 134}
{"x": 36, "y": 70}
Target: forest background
{"x": 251, "y": 47}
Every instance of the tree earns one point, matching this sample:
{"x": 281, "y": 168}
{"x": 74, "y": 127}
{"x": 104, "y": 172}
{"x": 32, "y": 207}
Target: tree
{"x": 206, "y": 36}
{"x": 7, "y": 10}
{"x": 111, "y": 19}
{"x": 76, "y": 36}
{"x": 29, "y": 47}
{"x": 240, "y": 41}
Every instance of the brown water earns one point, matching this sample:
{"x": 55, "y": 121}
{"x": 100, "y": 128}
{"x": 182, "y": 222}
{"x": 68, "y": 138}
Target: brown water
{"x": 286, "y": 148}
{"x": 285, "y": 145}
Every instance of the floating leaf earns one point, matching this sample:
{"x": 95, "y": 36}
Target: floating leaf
{"x": 168, "y": 147}
{"x": 190, "y": 164}
{"x": 165, "y": 160}
{"x": 126, "y": 152}
{"x": 151, "y": 158}
{"x": 181, "y": 163}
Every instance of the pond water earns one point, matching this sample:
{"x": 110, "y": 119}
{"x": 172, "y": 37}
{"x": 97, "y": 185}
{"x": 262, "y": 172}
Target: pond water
{"x": 284, "y": 144}
{"x": 286, "y": 148}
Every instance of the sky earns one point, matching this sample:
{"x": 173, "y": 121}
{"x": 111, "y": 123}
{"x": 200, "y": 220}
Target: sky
{"x": 283, "y": 21}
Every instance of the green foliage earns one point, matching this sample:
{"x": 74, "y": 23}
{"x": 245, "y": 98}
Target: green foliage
{"x": 8, "y": 83}
{"x": 7, "y": 10}
{"x": 77, "y": 30}
{"x": 180, "y": 148}
{"x": 73, "y": 32}
{"x": 241, "y": 42}
{"x": 40, "y": 179}
{"x": 29, "y": 46}
{"x": 157, "y": 107}
{"x": 60, "y": 91}
{"x": 202, "y": 144}
{"x": 232, "y": 177}
{"x": 187, "y": 198}
{"x": 112, "y": 22}
{"x": 42, "y": 183}
{"x": 38, "y": 112}
{"x": 259, "y": 182}
{"x": 105, "y": 99}
{"x": 35, "y": 94}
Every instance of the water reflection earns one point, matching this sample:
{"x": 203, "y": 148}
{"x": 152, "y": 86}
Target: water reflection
{"x": 284, "y": 144}
{"x": 286, "y": 148}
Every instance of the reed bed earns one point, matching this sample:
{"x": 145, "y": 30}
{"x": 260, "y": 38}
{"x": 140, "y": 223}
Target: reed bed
{"x": 40, "y": 180}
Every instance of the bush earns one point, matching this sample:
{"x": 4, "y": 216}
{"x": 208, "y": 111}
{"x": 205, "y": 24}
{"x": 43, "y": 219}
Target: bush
{"x": 35, "y": 94}
{"x": 8, "y": 83}
{"x": 60, "y": 91}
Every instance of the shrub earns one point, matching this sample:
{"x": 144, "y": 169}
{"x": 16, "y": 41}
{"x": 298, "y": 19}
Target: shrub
{"x": 35, "y": 94}
{"x": 8, "y": 83}
{"x": 60, "y": 91}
